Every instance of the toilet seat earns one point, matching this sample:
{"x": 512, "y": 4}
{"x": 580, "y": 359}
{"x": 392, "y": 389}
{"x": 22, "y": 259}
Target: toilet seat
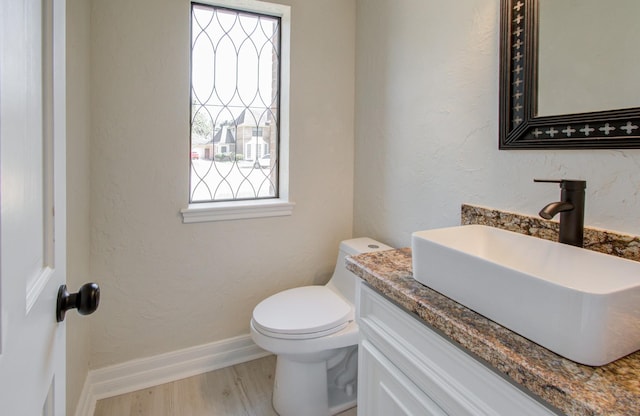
{"x": 302, "y": 313}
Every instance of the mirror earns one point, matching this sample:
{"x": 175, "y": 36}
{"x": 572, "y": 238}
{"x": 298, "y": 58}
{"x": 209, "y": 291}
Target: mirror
{"x": 550, "y": 97}
{"x": 586, "y": 58}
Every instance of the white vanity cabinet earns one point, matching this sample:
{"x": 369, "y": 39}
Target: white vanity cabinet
{"x": 407, "y": 368}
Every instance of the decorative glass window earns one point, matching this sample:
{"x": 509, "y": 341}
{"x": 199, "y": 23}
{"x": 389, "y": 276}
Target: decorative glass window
{"x": 235, "y": 104}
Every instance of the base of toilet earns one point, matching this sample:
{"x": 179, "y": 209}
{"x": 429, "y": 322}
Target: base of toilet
{"x": 301, "y": 385}
{"x": 342, "y": 402}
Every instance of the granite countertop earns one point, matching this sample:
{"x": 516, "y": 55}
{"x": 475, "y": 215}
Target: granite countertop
{"x": 572, "y": 388}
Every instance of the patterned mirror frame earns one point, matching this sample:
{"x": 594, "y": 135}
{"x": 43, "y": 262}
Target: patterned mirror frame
{"x": 518, "y": 125}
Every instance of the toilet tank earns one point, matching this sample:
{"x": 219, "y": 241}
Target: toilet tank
{"x": 343, "y": 281}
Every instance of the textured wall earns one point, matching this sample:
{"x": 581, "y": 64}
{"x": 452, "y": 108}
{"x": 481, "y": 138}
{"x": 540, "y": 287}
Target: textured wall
{"x": 167, "y": 285}
{"x": 78, "y": 191}
{"x": 427, "y": 128}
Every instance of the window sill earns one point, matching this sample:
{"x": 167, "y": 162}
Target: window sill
{"x": 236, "y": 210}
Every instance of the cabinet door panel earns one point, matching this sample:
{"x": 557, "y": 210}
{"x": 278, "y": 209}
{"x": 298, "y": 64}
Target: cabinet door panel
{"x": 388, "y": 390}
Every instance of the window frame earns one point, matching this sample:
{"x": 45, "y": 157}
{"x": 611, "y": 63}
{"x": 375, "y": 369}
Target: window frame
{"x": 255, "y": 208}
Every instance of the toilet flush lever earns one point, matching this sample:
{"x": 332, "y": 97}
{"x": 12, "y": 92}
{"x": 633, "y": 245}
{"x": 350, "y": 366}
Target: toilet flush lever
{"x": 86, "y": 300}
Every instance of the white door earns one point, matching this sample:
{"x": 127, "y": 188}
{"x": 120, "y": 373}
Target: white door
{"x": 32, "y": 197}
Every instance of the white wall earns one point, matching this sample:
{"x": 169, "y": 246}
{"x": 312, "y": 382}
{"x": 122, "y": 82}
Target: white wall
{"x": 427, "y": 128}
{"x": 78, "y": 191}
{"x": 166, "y": 285}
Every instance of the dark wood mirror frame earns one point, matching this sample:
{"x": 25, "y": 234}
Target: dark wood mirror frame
{"x": 519, "y": 126}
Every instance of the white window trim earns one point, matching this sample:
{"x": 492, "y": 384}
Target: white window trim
{"x": 236, "y": 210}
{"x": 258, "y": 208}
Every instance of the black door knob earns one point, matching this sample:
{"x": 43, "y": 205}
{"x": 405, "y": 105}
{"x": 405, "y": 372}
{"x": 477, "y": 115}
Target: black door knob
{"x": 86, "y": 300}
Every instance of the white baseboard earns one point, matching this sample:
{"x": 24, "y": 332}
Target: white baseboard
{"x": 152, "y": 371}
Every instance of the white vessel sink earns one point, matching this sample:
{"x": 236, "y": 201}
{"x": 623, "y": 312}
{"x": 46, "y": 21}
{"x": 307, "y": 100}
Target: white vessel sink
{"x": 578, "y": 303}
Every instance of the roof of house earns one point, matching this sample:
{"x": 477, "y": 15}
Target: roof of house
{"x": 248, "y": 117}
{"x": 224, "y": 135}
{"x": 254, "y": 117}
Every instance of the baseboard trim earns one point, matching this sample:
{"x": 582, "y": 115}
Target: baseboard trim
{"x": 152, "y": 371}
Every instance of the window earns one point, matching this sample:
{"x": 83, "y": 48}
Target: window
{"x": 239, "y": 107}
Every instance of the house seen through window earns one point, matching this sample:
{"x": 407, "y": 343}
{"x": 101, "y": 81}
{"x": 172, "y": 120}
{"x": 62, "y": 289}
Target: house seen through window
{"x": 235, "y": 69}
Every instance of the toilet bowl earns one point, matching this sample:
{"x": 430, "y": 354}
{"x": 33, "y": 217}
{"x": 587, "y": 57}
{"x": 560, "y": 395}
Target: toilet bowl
{"x": 313, "y": 332}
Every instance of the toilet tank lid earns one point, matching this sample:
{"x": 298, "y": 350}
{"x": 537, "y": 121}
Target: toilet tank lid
{"x": 362, "y": 245}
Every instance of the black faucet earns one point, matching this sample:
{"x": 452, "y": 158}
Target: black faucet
{"x": 571, "y": 209}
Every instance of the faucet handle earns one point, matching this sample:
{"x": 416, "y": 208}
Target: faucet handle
{"x": 571, "y": 184}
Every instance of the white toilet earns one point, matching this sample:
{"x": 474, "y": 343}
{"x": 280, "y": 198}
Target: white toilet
{"x": 313, "y": 332}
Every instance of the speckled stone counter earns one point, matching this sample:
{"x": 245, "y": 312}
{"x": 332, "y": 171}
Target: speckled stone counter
{"x": 572, "y": 388}
{"x": 604, "y": 241}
